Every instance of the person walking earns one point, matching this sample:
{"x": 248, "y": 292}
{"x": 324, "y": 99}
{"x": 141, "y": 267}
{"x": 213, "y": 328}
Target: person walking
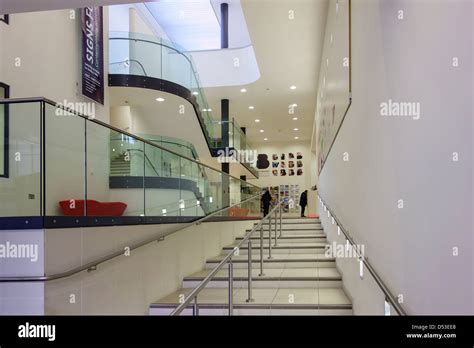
{"x": 266, "y": 200}
{"x": 303, "y": 202}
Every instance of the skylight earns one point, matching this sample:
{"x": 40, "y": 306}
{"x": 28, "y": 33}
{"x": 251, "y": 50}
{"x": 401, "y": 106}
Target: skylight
{"x": 192, "y": 24}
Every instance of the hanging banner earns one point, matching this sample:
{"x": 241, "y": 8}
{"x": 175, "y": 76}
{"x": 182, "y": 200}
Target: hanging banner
{"x": 92, "y": 53}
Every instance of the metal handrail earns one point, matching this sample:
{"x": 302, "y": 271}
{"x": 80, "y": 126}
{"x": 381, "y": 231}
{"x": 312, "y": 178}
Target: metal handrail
{"x": 91, "y": 266}
{"x": 228, "y": 259}
{"x": 388, "y": 294}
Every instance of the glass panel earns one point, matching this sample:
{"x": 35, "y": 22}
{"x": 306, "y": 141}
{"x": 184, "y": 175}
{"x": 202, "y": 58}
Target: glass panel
{"x": 176, "y": 67}
{"x": 114, "y": 173}
{"x": 65, "y": 159}
{"x": 20, "y": 192}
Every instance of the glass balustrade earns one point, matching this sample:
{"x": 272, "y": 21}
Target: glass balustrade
{"x": 151, "y": 56}
{"x": 67, "y": 169}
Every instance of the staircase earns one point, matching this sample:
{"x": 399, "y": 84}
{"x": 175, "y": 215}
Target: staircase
{"x": 298, "y": 280}
{"x": 119, "y": 166}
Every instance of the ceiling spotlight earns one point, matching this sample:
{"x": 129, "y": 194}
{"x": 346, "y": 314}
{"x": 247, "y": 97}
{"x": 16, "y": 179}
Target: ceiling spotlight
{"x": 265, "y": 139}
{"x": 293, "y": 87}
{"x": 296, "y": 138}
{"x": 295, "y": 129}
{"x": 243, "y": 90}
{"x": 294, "y": 105}
{"x": 261, "y": 131}
{"x": 161, "y": 100}
{"x": 257, "y": 120}
{"x": 251, "y": 107}
{"x": 295, "y": 118}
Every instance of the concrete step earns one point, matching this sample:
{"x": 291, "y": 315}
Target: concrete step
{"x": 288, "y": 239}
{"x": 280, "y": 248}
{"x": 272, "y": 278}
{"x": 272, "y": 301}
{"x": 277, "y": 261}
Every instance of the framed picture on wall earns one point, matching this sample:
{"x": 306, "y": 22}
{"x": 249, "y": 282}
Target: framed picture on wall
{"x": 275, "y": 172}
{"x": 300, "y": 172}
{"x": 299, "y": 155}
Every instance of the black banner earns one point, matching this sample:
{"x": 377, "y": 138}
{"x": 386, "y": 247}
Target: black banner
{"x": 92, "y": 53}
{"x": 135, "y": 331}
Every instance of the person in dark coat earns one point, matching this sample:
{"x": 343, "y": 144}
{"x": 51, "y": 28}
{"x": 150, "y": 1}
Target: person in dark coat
{"x": 266, "y": 200}
{"x": 303, "y": 202}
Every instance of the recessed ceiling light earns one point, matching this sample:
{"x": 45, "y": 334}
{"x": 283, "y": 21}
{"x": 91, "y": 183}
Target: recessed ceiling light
{"x": 265, "y": 139}
{"x": 243, "y": 90}
{"x": 257, "y": 120}
{"x": 261, "y": 131}
{"x": 296, "y": 138}
{"x": 295, "y": 129}
{"x": 295, "y": 118}
{"x": 293, "y": 87}
{"x": 294, "y": 105}
{"x": 251, "y": 107}
{"x": 161, "y": 100}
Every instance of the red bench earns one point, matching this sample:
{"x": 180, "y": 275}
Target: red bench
{"x": 94, "y": 208}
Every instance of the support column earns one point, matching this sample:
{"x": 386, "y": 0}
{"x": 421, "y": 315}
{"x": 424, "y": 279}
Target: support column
{"x": 225, "y": 185}
{"x": 224, "y": 25}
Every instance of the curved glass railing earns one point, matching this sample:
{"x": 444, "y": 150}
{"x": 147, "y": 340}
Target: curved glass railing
{"x": 61, "y": 174}
{"x": 151, "y": 56}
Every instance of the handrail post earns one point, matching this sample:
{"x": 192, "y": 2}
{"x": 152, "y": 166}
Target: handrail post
{"x": 261, "y": 251}
{"x": 269, "y": 236}
{"x": 231, "y": 288}
{"x": 249, "y": 270}
{"x": 195, "y": 307}
{"x": 280, "y": 218}
{"x": 276, "y": 237}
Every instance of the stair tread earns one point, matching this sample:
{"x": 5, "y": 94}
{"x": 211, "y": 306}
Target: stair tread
{"x": 273, "y": 273}
{"x": 268, "y": 297}
{"x": 281, "y": 245}
{"x": 278, "y": 257}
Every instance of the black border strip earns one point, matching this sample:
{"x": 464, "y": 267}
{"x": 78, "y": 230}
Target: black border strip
{"x": 5, "y": 19}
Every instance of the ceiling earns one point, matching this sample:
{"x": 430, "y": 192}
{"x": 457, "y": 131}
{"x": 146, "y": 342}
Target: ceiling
{"x": 288, "y": 53}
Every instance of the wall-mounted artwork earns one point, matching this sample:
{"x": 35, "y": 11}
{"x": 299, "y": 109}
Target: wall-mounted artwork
{"x": 299, "y": 164}
{"x": 291, "y": 164}
{"x": 291, "y": 155}
{"x": 300, "y": 172}
{"x": 292, "y": 172}
{"x": 275, "y": 157}
{"x": 275, "y": 172}
{"x": 282, "y": 157}
{"x": 299, "y": 155}
{"x": 262, "y": 161}
{"x": 282, "y": 172}
{"x": 282, "y": 164}
{"x": 275, "y": 164}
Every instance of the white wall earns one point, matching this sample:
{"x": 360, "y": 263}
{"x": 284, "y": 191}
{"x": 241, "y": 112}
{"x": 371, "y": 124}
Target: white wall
{"x": 128, "y": 285}
{"x": 399, "y": 158}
